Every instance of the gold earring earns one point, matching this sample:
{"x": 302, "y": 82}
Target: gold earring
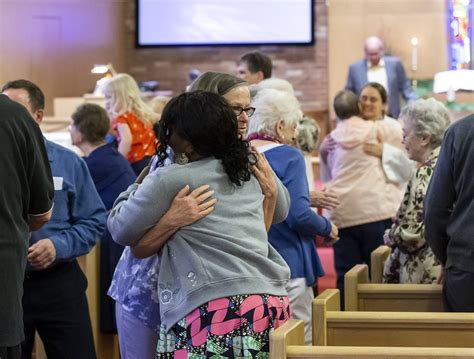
{"x": 181, "y": 158}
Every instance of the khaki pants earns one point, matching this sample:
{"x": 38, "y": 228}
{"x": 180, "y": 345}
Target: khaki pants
{"x": 301, "y": 298}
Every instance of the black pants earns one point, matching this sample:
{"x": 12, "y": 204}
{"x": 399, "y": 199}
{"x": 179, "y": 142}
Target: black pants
{"x": 355, "y": 246}
{"x": 10, "y": 352}
{"x": 458, "y": 290}
{"x": 110, "y": 253}
{"x": 55, "y": 305}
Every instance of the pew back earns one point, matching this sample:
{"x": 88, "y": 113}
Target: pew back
{"x": 377, "y": 262}
{"x": 331, "y": 327}
{"x": 288, "y": 342}
{"x": 360, "y": 295}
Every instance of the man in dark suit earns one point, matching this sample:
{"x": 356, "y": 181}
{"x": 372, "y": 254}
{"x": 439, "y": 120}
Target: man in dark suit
{"x": 386, "y": 70}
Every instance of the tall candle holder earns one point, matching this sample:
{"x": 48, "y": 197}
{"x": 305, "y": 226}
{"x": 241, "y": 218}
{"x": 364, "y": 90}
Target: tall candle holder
{"x": 414, "y": 60}
{"x": 414, "y": 81}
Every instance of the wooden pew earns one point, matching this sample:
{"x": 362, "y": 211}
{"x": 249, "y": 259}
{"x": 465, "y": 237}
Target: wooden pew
{"x": 287, "y": 342}
{"x": 360, "y": 295}
{"x": 289, "y": 334}
{"x": 377, "y": 260}
{"x": 331, "y": 327}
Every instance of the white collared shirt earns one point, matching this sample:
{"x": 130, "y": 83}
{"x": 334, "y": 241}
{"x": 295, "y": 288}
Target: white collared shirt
{"x": 377, "y": 73}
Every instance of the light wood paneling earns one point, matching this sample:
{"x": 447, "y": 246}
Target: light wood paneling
{"x": 55, "y": 43}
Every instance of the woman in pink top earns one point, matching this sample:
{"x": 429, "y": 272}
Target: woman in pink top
{"x": 368, "y": 201}
{"x": 396, "y": 164}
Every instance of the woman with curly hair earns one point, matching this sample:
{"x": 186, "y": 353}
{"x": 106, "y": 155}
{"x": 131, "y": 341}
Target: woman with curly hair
{"x": 221, "y": 286}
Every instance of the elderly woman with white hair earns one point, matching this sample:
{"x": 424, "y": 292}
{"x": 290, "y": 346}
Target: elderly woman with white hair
{"x": 306, "y": 140}
{"x": 272, "y": 130}
{"x": 411, "y": 259}
{"x": 272, "y": 83}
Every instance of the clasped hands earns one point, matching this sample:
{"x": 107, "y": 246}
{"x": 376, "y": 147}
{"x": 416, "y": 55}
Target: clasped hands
{"x": 42, "y": 254}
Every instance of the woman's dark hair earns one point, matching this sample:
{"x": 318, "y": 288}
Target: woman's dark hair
{"x": 207, "y": 121}
{"x": 92, "y": 121}
{"x": 380, "y": 89}
{"x": 257, "y": 61}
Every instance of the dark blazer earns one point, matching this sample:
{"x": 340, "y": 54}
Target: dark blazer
{"x": 398, "y": 83}
{"x": 449, "y": 206}
{"x": 112, "y": 174}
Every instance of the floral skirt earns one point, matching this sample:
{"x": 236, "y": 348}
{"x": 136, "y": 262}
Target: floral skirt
{"x": 230, "y": 327}
{"x": 421, "y": 267}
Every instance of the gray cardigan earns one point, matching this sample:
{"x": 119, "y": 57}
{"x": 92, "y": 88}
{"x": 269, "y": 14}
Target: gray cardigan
{"x": 226, "y": 253}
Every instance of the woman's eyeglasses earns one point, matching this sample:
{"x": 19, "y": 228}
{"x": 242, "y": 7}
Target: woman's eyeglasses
{"x": 239, "y": 110}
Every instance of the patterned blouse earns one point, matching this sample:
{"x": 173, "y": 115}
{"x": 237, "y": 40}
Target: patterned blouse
{"x": 134, "y": 285}
{"x": 143, "y": 137}
{"x": 135, "y": 281}
{"x": 411, "y": 259}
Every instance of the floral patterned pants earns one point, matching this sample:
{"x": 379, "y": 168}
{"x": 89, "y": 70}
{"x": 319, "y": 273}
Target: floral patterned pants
{"x": 237, "y": 326}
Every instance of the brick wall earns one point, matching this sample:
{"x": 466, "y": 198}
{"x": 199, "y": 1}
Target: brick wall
{"x": 304, "y": 66}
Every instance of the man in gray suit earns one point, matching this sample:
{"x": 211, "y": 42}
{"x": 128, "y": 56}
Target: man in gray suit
{"x": 386, "y": 70}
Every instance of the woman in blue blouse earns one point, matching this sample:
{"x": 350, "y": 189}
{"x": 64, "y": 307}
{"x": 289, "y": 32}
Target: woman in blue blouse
{"x": 272, "y": 129}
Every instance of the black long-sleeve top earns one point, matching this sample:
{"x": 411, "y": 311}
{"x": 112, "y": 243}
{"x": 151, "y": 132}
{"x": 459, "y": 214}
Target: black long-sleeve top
{"x": 449, "y": 202}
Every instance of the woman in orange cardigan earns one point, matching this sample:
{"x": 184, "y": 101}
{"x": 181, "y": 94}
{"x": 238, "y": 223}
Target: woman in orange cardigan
{"x": 132, "y": 120}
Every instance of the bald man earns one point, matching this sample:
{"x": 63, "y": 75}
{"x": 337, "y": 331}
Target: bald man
{"x": 386, "y": 70}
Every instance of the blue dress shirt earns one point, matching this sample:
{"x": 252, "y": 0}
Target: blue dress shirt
{"x": 79, "y": 217}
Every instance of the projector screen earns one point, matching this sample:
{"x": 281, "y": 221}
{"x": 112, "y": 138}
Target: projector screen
{"x": 223, "y": 22}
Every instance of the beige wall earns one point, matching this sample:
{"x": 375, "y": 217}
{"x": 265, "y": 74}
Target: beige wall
{"x": 55, "y": 42}
{"x": 396, "y": 22}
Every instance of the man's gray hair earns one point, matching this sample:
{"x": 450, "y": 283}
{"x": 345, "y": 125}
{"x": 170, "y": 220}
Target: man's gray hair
{"x": 273, "y": 106}
{"x": 346, "y": 104}
{"x": 428, "y": 118}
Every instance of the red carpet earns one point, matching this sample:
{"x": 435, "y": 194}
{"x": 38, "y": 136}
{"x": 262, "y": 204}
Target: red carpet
{"x": 326, "y": 255}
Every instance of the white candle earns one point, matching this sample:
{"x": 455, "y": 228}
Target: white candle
{"x": 414, "y": 53}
